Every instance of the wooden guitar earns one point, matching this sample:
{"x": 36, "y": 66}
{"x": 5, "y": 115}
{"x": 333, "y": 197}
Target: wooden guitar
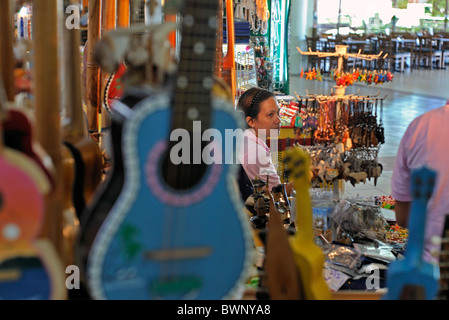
{"x": 443, "y": 292}
{"x": 156, "y": 242}
{"x": 282, "y": 275}
{"x": 412, "y": 278}
{"x": 85, "y": 151}
{"x": 308, "y": 256}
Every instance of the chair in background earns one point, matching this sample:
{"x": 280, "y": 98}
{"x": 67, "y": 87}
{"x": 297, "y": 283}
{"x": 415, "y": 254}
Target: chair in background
{"x": 332, "y": 62}
{"x": 394, "y": 56}
{"x": 428, "y": 54}
{"x": 443, "y": 45}
{"x": 444, "y": 54}
{"x": 315, "y": 44}
{"x": 408, "y": 46}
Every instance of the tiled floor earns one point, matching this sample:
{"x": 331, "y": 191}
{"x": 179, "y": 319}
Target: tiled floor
{"x": 409, "y": 95}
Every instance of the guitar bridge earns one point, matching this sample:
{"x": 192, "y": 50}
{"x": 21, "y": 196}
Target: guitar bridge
{"x": 179, "y": 254}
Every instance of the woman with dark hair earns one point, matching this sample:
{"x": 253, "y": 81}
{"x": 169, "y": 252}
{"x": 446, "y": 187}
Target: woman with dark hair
{"x": 261, "y": 112}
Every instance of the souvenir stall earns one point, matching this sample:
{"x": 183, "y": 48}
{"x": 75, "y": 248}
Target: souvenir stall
{"x": 342, "y": 135}
{"x": 88, "y": 114}
{"x": 362, "y": 245}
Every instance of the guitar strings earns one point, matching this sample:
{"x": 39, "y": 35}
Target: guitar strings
{"x": 175, "y": 216}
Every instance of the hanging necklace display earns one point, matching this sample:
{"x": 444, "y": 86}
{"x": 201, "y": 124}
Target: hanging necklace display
{"x": 343, "y": 136}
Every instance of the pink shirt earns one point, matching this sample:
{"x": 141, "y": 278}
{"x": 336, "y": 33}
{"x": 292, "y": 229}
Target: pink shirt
{"x": 255, "y": 158}
{"x": 426, "y": 142}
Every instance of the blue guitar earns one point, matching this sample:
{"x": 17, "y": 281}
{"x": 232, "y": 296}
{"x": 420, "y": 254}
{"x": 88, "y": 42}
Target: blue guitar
{"x": 176, "y": 231}
{"x": 412, "y": 278}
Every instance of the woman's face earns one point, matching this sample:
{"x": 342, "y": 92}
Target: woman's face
{"x": 267, "y": 121}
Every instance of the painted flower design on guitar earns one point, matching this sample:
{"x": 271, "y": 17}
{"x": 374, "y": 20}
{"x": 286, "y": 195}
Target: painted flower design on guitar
{"x": 177, "y": 199}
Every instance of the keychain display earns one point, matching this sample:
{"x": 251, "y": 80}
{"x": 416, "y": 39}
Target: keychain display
{"x": 343, "y": 136}
{"x": 343, "y": 78}
{"x": 357, "y": 75}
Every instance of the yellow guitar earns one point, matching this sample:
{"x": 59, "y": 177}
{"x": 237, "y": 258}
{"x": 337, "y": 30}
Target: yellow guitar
{"x": 308, "y": 256}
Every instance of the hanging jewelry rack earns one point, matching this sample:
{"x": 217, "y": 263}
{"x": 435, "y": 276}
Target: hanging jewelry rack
{"x": 341, "y": 52}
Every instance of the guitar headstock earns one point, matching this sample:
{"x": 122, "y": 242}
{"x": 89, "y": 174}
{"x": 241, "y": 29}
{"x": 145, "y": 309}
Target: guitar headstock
{"x": 423, "y": 183}
{"x": 298, "y": 165}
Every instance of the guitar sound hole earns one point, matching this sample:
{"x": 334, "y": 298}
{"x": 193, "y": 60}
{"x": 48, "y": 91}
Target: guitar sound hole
{"x": 182, "y": 176}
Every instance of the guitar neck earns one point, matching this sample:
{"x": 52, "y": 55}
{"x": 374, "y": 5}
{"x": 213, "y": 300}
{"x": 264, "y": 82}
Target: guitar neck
{"x": 6, "y": 54}
{"x": 93, "y": 84}
{"x": 417, "y": 221}
{"x": 73, "y": 95}
{"x": 218, "y": 67}
{"x": 194, "y": 80}
{"x": 137, "y": 11}
{"x": 123, "y": 13}
{"x": 47, "y": 97}
{"x": 304, "y": 218}
{"x": 110, "y": 14}
{"x": 422, "y": 185}
{"x": 6, "y": 63}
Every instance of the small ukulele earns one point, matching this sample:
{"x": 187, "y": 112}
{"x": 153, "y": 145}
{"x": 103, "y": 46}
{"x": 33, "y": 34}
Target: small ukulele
{"x": 412, "y": 278}
{"x": 308, "y": 256}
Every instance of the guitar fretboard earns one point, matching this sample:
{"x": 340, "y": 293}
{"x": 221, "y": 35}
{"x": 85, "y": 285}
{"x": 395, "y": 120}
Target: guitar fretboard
{"x": 443, "y": 293}
{"x": 192, "y": 97}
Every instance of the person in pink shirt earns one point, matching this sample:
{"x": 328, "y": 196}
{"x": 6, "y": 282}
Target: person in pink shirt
{"x": 261, "y": 113}
{"x": 425, "y": 143}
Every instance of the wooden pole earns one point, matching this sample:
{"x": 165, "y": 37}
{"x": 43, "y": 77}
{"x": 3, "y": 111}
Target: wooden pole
{"x": 46, "y": 89}
{"x": 110, "y": 14}
{"x": 123, "y": 13}
{"x": 109, "y": 23}
{"x": 93, "y": 99}
{"x": 6, "y": 53}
